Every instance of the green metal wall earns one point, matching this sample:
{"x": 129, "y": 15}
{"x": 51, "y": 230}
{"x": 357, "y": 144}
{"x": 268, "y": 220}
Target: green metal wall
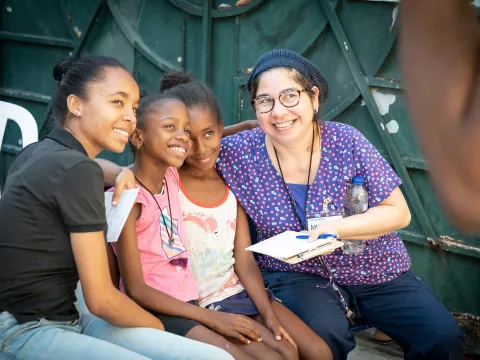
{"x": 353, "y": 42}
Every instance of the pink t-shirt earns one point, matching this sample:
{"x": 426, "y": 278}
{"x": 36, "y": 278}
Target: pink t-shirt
{"x": 164, "y": 264}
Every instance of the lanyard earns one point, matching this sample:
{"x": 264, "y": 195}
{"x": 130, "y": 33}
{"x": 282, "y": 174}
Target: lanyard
{"x": 171, "y": 241}
{"x": 349, "y": 313}
{"x": 308, "y": 181}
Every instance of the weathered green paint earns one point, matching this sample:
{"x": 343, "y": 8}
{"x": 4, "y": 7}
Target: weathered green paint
{"x": 47, "y": 122}
{"x": 353, "y": 42}
{"x": 206, "y": 41}
{"x": 378, "y": 120}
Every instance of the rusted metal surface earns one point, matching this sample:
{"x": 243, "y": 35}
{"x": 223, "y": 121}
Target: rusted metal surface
{"x": 458, "y": 244}
{"x": 470, "y": 325}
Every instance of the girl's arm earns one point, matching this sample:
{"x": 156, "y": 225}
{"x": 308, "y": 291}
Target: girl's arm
{"x": 236, "y": 326}
{"x": 236, "y": 128}
{"x": 112, "y": 171}
{"x": 389, "y": 215}
{"x": 79, "y": 199}
{"x": 102, "y": 298}
{"x": 113, "y": 266}
{"x": 249, "y": 274}
{"x": 115, "y": 175}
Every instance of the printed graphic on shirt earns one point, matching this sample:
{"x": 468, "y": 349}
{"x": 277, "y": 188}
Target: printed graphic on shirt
{"x": 209, "y": 242}
{"x": 210, "y": 234}
{"x": 172, "y": 246}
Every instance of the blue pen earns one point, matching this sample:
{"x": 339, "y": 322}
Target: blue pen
{"x": 323, "y": 236}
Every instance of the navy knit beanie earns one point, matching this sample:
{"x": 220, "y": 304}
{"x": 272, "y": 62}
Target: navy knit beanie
{"x": 287, "y": 58}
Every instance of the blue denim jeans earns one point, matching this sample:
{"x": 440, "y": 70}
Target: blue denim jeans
{"x": 93, "y": 338}
{"x": 44, "y": 340}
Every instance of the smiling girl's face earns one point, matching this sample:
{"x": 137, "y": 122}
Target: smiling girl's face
{"x": 206, "y": 134}
{"x": 166, "y": 133}
{"x": 108, "y": 111}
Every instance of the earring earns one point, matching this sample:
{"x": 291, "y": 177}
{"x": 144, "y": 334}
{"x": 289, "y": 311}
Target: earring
{"x": 316, "y": 110}
{"x": 139, "y": 146}
{"x": 78, "y": 113}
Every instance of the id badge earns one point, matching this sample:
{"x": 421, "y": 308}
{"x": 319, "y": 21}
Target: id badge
{"x": 315, "y": 219}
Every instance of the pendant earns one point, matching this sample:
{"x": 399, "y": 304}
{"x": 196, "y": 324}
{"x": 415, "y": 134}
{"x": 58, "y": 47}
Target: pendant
{"x": 171, "y": 241}
{"x": 327, "y": 201}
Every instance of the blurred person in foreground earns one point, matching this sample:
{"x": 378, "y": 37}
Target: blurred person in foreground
{"x": 440, "y": 55}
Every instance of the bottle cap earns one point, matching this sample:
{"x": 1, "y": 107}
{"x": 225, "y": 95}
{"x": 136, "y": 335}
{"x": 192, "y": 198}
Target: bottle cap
{"x": 358, "y": 180}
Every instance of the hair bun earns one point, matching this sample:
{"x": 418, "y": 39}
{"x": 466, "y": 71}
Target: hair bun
{"x": 174, "y": 78}
{"x": 62, "y": 67}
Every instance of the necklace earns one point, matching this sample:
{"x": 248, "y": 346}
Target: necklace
{"x": 308, "y": 182}
{"x": 171, "y": 240}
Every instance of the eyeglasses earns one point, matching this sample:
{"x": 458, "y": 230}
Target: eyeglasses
{"x": 289, "y": 98}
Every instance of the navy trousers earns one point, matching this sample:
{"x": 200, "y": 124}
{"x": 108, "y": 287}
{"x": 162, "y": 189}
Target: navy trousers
{"x": 405, "y": 309}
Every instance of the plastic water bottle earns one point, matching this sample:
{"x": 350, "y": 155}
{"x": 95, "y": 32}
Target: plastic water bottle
{"x": 356, "y": 202}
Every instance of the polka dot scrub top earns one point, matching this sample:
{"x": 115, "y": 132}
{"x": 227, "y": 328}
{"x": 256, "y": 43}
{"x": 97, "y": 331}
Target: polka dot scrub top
{"x": 247, "y": 169}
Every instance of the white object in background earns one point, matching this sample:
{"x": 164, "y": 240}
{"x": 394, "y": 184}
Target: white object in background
{"x": 117, "y": 215}
{"x": 23, "y": 118}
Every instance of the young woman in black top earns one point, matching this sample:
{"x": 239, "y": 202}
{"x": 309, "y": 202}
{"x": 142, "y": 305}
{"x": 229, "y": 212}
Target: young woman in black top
{"x": 52, "y": 219}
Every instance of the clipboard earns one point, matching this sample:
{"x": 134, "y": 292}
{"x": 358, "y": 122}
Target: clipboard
{"x": 287, "y": 248}
{"x": 320, "y": 250}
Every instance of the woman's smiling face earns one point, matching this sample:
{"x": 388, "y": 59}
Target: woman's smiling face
{"x": 285, "y": 124}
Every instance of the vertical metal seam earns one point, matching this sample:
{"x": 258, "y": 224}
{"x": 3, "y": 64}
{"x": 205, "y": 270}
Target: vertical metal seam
{"x": 64, "y": 9}
{"x": 184, "y": 45}
{"x": 237, "y": 93}
{"x": 206, "y": 40}
{"x": 3, "y": 159}
{"x": 361, "y": 81}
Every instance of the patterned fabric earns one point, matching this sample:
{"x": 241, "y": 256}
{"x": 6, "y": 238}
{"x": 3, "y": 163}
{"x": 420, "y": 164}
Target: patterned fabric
{"x": 246, "y": 167}
{"x": 165, "y": 267}
{"x": 210, "y": 230}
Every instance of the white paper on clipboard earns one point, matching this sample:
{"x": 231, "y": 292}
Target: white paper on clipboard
{"x": 117, "y": 215}
{"x": 286, "y": 245}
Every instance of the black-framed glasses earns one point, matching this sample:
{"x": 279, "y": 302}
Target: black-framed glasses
{"x": 289, "y": 98}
